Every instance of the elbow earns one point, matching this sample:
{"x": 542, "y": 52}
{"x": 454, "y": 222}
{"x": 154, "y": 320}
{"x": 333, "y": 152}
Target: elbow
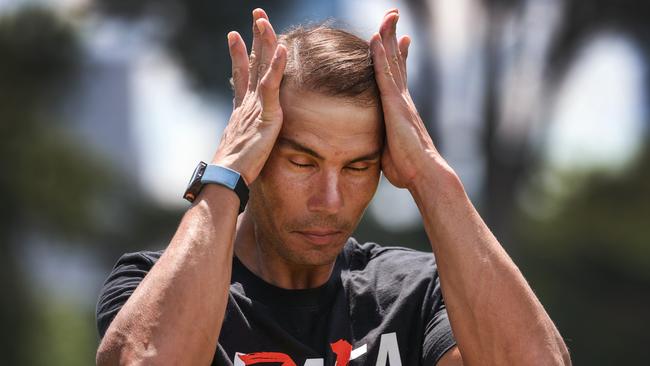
{"x": 552, "y": 350}
{"x": 561, "y": 358}
{"x": 114, "y": 350}
{"x": 562, "y": 351}
{"x": 108, "y": 353}
{"x": 558, "y": 357}
{"x": 120, "y": 349}
{"x": 566, "y": 357}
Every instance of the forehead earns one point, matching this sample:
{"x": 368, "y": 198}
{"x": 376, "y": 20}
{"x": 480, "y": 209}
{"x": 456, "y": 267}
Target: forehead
{"x": 330, "y": 123}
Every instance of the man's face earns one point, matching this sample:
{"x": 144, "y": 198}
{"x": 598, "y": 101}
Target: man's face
{"x": 319, "y": 178}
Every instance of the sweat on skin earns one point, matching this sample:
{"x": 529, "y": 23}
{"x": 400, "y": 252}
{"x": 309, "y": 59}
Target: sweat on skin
{"x": 310, "y": 183}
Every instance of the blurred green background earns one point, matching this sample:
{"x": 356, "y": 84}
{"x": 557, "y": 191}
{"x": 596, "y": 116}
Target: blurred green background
{"x": 540, "y": 106}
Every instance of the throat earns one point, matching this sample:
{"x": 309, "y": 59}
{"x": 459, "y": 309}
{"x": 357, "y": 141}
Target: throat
{"x": 262, "y": 259}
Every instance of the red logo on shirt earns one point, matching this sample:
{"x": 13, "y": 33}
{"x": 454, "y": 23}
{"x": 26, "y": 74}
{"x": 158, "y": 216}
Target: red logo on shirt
{"x": 265, "y": 357}
{"x": 388, "y": 354}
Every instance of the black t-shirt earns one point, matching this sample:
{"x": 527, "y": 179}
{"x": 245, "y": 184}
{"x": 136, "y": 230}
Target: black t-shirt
{"x": 381, "y": 306}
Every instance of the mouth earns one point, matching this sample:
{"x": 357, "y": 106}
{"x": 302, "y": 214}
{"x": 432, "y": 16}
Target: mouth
{"x": 320, "y": 236}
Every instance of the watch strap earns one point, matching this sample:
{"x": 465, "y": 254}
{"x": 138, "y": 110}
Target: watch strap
{"x": 217, "y": 174}
{"x": 229, "y": 178}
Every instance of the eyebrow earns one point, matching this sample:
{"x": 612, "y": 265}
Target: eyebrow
{"x": 295, "y": 145}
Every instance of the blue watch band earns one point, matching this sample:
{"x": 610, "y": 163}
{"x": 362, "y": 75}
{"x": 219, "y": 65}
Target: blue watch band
{"x": 228, "y": 178}
{"x": 217, "y": 174}
{"x": 220, "y": 175}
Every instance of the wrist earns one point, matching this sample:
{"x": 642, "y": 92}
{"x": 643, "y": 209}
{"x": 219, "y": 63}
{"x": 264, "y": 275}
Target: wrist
{"x": 230, "y": 162}
{"x": 218, "y": 197}
{"x": 434, "y": 179}
{"x": 207, "y": 175}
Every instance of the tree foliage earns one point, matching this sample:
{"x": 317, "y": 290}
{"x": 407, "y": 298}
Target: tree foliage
{"x": 53, "y": 184}
{"x": 590, "y": 262}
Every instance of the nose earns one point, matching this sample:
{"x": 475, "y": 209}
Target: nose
{"x": 326, "y": 195}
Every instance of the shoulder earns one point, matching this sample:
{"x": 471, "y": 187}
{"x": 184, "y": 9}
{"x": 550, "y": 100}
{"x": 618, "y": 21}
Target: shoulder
{"x": 372, "y": 255}
{"x": 145, "y": 258}
{"x": 125, "y": 276}
{"x": 132, "y": 266}
{"x": 371, "y": 267}
{"x": 391, "y": 280}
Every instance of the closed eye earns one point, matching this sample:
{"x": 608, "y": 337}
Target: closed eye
{"x": 356, "y": 169}
{"x": 300, "y": 165}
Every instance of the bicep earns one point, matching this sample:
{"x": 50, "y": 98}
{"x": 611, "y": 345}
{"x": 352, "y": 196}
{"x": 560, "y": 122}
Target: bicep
{"x": 451, "y": 358}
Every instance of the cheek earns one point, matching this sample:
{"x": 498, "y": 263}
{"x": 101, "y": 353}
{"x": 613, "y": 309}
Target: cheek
{"x": 359, "y": 191}
{"x": 279, "y": 190}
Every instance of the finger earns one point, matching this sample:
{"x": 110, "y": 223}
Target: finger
{"x": 403, "y": 45}
{"x": 256, "y": 50}
{"x": 269, "y": 43}
{"x": 389, "y": 40}
{"x": 383, "y": 73}
{"x": 270, "y": 84}
{"x": 389, "y": 11}
{"x": 239, "y": 58}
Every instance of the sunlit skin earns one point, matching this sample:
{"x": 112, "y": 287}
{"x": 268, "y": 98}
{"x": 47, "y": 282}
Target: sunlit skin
{"x": 318, "y": 180}
{"x": 299, "y": 151}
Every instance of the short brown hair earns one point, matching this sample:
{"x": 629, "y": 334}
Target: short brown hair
{"x": 331, "y": 61}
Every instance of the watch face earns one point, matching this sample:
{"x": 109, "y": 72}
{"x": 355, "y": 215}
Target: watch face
{"x": 197, "y": 171}
{"x": 194, "y": 186}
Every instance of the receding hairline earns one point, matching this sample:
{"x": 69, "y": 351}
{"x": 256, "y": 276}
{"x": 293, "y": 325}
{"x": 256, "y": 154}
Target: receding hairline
{"x": 331, "y": 61}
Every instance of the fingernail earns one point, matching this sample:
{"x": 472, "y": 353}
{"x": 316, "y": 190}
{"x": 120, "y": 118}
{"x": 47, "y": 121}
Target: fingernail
{"x": 231, "y": 39}
{"x": 393, "y": 10}
{"x": 260, "y": 25}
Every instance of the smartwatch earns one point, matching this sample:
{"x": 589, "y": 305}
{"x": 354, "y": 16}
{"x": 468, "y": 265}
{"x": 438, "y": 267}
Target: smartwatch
{"x": 217, "y": 174}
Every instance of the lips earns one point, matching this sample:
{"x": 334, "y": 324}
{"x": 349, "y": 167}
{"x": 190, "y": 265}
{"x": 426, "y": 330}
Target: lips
{"x": 319, "y": 236}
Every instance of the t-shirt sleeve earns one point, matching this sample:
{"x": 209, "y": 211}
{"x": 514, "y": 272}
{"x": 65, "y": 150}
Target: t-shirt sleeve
{"x": 126, "y": 275}
{"x": 438, "y": 336}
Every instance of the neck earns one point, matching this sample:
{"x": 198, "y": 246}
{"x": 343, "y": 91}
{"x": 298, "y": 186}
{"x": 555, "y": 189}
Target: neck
{"x": 261, "y": 259}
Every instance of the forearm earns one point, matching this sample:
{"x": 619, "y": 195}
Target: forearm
{"x": 175, "y": 314}
{"x": 496, "y": 317}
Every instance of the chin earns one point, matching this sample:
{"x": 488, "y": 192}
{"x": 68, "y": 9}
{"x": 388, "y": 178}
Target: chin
{"x": 312, "y": 255}
{"x": 316, "y": 260}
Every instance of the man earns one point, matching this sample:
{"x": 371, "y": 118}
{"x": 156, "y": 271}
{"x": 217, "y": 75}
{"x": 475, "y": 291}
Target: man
{"x": 283, "y": 283}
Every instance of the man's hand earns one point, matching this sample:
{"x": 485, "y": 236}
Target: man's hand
{"x": 409, "y": 148}
{"x": 495, "y": 316}
{"x": 194, "y": 272}
{"x": 257, "y": 116}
